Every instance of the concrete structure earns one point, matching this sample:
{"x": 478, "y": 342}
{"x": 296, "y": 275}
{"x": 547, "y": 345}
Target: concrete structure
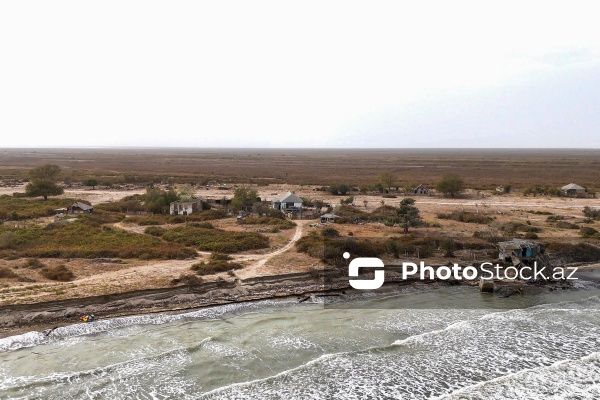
{"x": 518, "y": 250}
{"x": 288, "y": 202}
{"x": 185, "y": 207}
{"x": 328, "y": 218}
{"x": 80, "y": 208}
{"x": 421, "y": 189}
{"x": 572, "y": 189}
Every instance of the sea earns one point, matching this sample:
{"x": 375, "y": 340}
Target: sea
{"x": 417, "y": 343}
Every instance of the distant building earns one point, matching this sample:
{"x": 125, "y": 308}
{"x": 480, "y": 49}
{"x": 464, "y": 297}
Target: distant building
{"x": 185, "y": 207}
{"x": 572, "y": 189}
{"x": 421, "y": 189}
{"x": 288, "y": 202}
{"x": 80, "y": 208}
{"x": 328, "y": 217}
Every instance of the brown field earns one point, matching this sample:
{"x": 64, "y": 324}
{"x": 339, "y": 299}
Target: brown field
{"x": 480, "y": 168}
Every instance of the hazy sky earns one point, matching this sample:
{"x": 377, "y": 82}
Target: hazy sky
{"x": 300, "y": 74}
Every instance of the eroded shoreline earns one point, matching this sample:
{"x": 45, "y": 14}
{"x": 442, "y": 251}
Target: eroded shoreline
{"x": 21, "y": 318}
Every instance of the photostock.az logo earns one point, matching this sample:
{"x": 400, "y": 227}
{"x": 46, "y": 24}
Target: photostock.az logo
{"x": 365, "y": 262}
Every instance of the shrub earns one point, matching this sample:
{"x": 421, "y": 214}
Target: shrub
{"x": 58, "y": 273}
{"x": 214, "y": 266}
{"x": 566, "y": 225}
{"x": 588, "y": 231}
{"x": 7, "y": 273}
{"x": 188, "y": 279}
{"x": 554, "y": 218}
{"x": 155, "y": 231}
{"x": 531, "y": 235}
{"x": 591, "y": 213}
{"x": 8, "y": 240}
{"x": 580, "y": 252}
{"x": 34, "y": 263}
{"x": 330, "y": 233}
{"x": 448, "y": 245}
{"x": 468, "y": 217}
{"x": 275, "y": 222}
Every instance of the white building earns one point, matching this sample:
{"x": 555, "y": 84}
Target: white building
{"x": 572, "y": 188}
{"x": 288, "y": 202}
{"x": 185, "y": 207}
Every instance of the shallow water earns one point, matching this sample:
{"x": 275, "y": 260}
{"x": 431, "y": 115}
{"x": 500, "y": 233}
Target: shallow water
{"x": 378, "y": 348}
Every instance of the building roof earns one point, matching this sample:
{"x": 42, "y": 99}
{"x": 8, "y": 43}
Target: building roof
{"x": 421, "y": 187}
{"x": 572, "y": 186}
{"x": 289, "y": 197}
{"x": 83, "y": 206}
{"x": 186, "y": 202}
{"x": 518, "y": 244}
{"x": 329, "y": 216}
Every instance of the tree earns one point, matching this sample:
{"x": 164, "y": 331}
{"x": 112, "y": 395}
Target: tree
{"x": 91, "y": 182}
{"x": 244, "y": 196}
{"x": 450, "y": 185}
{"x": 387, "y": 180}
{"x": 43, "y": 188}
{"x": 158, "y": 201}
{"x": 46, "y": 172}
{"x": 408, "y": 213}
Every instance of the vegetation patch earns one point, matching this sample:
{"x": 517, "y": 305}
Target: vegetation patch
{"x": 58, "y": 273}
{"x": 17, "y": 208}
{"x": 566, "y": 225}
{"x": 588, "y": 232}
{"x": 160, "y": 219}
{"x": 216, "y": 240}
{"x": 591, "y": 213}
{"x": 579, "y": 252}
{"x": 34, "y": 263}
{"x": 278, "y": 223}
{"x": 81, "y": 240}
{"x": 468, "y": 217}
{"x": 217, "y": 263}
{"x": 7, "y": 273}
{"x": 329, "y": 248}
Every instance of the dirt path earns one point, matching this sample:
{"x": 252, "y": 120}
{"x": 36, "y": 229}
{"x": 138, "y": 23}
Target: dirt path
{"x": 158, "y": 272}
{"x": 260, "y": 260}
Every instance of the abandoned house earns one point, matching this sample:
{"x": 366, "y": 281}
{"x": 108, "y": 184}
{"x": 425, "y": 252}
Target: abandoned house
{"x": 290, "y": 205}
{"x": 80, "y": 208}
{"x": 328, "y": 217}
{"x": 572, "y": 189}
{"x": 288, "y": 202}
{"x": 525, "y": 253}
{"x": 421, "y": 189}
{"x": 185, "y": 207}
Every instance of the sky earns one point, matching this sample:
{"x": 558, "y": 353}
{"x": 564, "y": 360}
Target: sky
{"x": 342, "y": 74}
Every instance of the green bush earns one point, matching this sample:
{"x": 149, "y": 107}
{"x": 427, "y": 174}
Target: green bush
{"x": 588, "y": 232}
